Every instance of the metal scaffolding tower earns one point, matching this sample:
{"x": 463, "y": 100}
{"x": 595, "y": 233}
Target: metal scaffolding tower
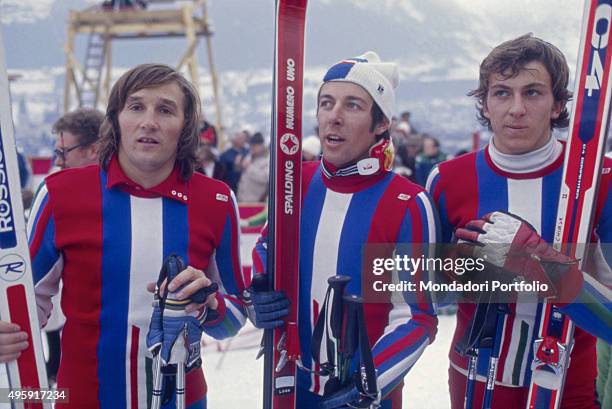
{"x": 88, "y": 83}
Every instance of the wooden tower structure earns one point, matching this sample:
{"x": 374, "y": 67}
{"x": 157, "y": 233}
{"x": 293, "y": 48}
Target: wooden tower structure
{"x": 88, "y": 83}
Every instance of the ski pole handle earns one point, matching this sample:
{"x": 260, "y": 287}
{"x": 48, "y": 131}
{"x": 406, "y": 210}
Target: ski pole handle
{"x": 260, "y": 282}
{"x": 369, "y": 387}
{"x": 172, "y": 266}
{"x": 200, "y": 296}
{"x": 337, "y": 284}
{"x": 350, "y": 336}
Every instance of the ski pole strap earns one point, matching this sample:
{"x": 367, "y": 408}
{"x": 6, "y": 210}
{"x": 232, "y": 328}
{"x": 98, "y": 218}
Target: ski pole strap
{"x": 368, "y": 385}
{"x": 171, "y": 267}
{"x": 330, "y": 320}
{"x": 337, "y": 284}
{"x": 317, "y": 333}
{"x": 368, "y": 372}
{"x": 350, "y": 338}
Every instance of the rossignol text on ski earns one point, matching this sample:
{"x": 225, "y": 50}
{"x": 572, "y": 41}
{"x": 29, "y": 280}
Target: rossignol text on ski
{"x": 17, "y": 302}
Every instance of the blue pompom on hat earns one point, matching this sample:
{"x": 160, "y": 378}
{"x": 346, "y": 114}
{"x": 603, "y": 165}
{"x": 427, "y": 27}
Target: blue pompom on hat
{"x": 378, "y": 78}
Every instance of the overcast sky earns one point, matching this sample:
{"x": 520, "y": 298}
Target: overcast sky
{"x": 420, "y": 34}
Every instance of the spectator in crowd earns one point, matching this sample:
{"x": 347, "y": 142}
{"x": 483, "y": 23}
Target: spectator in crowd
{"x": 25, "y": 177}
{"x": 208, "y": 161}
{"x": 461, "y": 152}
{"x": 76, "y": 145}
{"x": 399, "y": 132}
{"x": 124, "y": 4}
{"x": 104, "y": 230}
{"x": 25, "y": 174}
{"x": 209, "y": 132}
{"x": 407, "y": 152}
{"x": 254, "y": 183}
{"x": 405, "y": 122}
{"x": 311, "y": 149}
{"x": 76, "y": 136}
{"x": 233, "y": 159}
{"x": 431, "y": 156}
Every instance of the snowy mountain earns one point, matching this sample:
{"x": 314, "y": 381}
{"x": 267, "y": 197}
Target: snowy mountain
{"x": 438, "y": 107}
{"x": 438, "y": 45}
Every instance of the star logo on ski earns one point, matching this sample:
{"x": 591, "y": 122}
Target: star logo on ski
{"x": 289, "y": 144}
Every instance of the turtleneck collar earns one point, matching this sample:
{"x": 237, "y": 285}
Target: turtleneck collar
{"x": 347, "y": 179}
{"x": 527, "y": 163}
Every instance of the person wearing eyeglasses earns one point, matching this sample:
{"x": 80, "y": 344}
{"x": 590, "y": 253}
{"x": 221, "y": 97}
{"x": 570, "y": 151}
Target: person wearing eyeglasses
{"x": 76, "y": 136}
{"x": 105, "y": 230}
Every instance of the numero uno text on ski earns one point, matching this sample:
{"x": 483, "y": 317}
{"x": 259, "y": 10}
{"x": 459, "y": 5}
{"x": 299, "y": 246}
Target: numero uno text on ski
{"x": 289, "y": 124}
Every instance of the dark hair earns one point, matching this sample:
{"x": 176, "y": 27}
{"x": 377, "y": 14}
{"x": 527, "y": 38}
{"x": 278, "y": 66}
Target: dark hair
{"x": 84, "y": 123}
{"x": 435, "y": 140}
{"x": 510, "y": 57}
{"x": 377, "y": 118}
{"x": 149, "y": 76}
{"x": 257, "y": 139}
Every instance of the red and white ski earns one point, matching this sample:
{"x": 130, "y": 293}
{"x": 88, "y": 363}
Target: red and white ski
{"x": 581, "y": 171}
{"x": 17, "y": 303}
{"x": 282, "y": 347}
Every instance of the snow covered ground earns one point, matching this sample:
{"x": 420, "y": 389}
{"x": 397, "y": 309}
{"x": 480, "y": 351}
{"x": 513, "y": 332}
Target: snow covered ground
{"x": 235, "y": 378}
{"x": 237, "y": 381}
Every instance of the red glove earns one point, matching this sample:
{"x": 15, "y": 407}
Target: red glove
{"x": 512, "y": 244}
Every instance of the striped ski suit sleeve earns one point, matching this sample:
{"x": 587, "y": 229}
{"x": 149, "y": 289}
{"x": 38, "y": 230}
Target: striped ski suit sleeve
{"x": 592, "y": 308}
{"x": 47, "y": 260}
{"x": 412, "y": 321}
{"x": 232, "y": 314}
{"x": 260, "y": 252}
{"x": 434, "y": 189}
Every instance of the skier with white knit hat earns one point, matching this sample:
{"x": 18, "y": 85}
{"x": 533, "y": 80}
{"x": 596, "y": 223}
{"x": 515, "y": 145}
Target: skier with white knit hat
{"x": 352, "y": 200}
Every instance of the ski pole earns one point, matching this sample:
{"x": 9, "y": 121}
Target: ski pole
{"x": 350, "y": 338}
{"x": 260, "y": 283}
{"x": 369, "y": 387}
{"x": 471, "y": 377}
{"x": 469, "y": 345}
{"x": 169, "y": 338}
{"x": 180, "y": 380}
{"x": 489, "y": 319}
{"x": 337, "y": 284}
{"x": 329, "y": 325}
{"x": 157, "y": 383}
{"x": 501, "y": 311}
{"x": 171, "y": 267}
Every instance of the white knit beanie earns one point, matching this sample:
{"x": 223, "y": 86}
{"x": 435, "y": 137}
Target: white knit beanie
{"x": 378, "y": 78}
